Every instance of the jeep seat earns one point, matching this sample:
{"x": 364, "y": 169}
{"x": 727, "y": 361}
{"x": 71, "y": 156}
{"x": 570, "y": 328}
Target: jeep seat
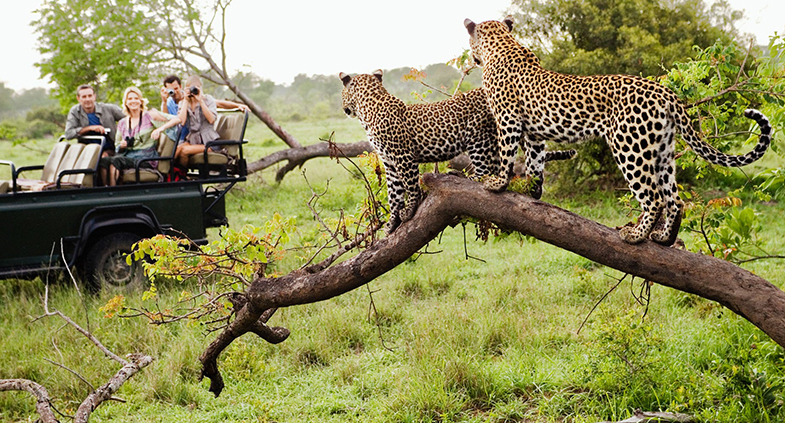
{"x": 165, "y": 148}
{"x": 85, "y": 167}
{"x": 230, "y": 126}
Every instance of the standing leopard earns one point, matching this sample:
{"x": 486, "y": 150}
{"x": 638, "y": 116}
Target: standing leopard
{"x": 405, "y": 135}
{"x": 638, "y": 118}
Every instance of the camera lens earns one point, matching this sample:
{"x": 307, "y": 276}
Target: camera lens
{"x": 170, "y": 92}
{"x": 194, "y": 90}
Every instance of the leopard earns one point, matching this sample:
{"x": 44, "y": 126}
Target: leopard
{"x": 637, "y": 117}
{"x": 406, "y": 135}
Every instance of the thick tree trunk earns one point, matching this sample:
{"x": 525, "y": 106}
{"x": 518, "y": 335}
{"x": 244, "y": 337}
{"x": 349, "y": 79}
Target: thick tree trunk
{"x": 450, "y": 197}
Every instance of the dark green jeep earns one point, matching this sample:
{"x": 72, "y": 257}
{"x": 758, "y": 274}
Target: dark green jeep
{"x": 62, "y": 221}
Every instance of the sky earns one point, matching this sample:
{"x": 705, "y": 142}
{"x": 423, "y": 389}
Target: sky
{"x": 278, "y": 40}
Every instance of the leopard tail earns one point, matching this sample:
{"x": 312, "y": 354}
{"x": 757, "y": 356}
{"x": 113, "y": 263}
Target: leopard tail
{"x": 714, "y": 156}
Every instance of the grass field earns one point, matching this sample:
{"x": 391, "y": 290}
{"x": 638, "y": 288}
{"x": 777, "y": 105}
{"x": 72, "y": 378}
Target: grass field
{"x": 455, "y": 339}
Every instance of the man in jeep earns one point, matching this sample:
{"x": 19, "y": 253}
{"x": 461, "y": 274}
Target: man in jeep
{"x": 89, "y": 117}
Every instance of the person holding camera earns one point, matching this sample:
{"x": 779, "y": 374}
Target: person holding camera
{"x": 172, "y": 94}
{"x": 199, "y": 111}
{"x": 136, "y": 138}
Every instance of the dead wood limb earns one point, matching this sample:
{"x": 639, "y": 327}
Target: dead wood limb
{"x": 104, "y": 393}
{"x": 298, "y": 156}
{"x": 132, "y": 364}
{"x": 450, "y": 197}
{"x": 42, "y": 406}
{"x": 656, "y": 417}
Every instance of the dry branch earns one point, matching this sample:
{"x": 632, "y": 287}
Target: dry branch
{"x": 449, "y": 198}
{"x": 131, "y": 366}
{"x": 42, "y": 406}
{"x": 298, "y": 156}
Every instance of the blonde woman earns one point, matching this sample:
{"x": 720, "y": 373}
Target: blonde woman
{"x": 136, "y": 137}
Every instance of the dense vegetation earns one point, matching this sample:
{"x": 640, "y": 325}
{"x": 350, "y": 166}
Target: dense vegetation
{"x": 450, "y": 338}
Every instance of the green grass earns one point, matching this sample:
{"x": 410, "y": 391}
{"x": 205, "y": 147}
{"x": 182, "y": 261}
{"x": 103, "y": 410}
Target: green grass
{"x": 467, "y": 341}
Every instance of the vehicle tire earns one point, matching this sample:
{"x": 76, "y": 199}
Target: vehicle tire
{"x": 105, "y": 267}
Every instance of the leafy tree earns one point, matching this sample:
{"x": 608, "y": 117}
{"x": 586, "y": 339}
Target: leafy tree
{"x": 636, "y": 37}
{"x": 105, "y": 44}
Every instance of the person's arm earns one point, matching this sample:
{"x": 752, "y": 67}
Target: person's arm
{"x": 169, "y": 119}
{"x": 209, "y": 109}
{"x": 164, "y": 97}
{"x": 183, "y": 113}
{"x": 72, "y": 128}
{"x": 227, "y": 104}
{"x": 119, "y": 142}
{"x": 117, "y": 112}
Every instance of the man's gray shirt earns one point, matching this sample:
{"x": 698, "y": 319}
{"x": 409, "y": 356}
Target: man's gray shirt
{"x": 77, "y": 119}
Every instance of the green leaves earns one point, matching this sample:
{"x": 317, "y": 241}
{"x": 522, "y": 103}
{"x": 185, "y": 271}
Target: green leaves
{"x": 108, "y": 44}
{"x": 636, "y": 37}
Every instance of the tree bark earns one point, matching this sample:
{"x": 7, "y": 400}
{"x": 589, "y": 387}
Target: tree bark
{"x": 449, "y": 198}
{"x": 43, "y": 405}
{"x": 298, "y": 156}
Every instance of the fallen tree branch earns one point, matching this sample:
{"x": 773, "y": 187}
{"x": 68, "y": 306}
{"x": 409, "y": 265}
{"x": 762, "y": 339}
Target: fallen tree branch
{"x": 656, "y": 417}
{"x": 105, "y": 392}
{"x": 43, "y": 405}
{"x": 298, "y": 156}
{"x": 451, "y": 197}
{"x": 134, "y": 363}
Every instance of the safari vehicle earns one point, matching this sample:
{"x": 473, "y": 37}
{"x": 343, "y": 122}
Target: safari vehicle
{"x": 63, "y": 220}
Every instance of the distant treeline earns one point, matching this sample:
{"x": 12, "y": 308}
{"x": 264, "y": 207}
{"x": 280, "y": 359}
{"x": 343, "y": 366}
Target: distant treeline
{"x": 319, "y": 96}
{"x": 17, "y": 104}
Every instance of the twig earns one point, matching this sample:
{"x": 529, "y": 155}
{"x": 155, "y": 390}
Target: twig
{"x": 597, "y": 304}
{"x": 758, "y": 258}
{"x": 703, "y": 232}
{"x": 465, "y": 248}
{"x": 92, "y": 388}
{"x": 372, "y": 306}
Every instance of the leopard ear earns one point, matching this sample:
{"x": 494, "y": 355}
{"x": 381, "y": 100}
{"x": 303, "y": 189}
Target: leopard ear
{"x": 469, "y": 26}
{"x": 345, "y": 78}
{"x": 378, "y": 74}
{"x": 508, "y": 21}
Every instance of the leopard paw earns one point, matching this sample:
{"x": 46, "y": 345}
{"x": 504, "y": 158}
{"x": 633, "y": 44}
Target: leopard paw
{"x": 392, "y": 225}
{"x": 631, "y": 234}
{"x": 408, "y": 212}
{"x": 662, "y": 236}
{"x": 495, "y": 183}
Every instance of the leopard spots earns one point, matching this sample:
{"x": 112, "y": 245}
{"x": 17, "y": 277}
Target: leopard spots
{"x": 637, "y": 117}
{"x": 406, "y": 135}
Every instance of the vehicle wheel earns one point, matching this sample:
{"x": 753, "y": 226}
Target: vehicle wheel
{"x": 105, "y": 267}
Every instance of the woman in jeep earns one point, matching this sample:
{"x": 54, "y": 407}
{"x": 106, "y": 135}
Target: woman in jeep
{"x": 136, "y": 138}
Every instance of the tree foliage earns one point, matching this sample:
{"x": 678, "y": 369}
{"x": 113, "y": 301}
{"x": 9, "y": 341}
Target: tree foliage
{"x": 635, "y": 37}
{"x": 106, "y": 44}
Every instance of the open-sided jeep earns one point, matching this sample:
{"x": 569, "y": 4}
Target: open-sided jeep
{"x": 59, "y": 219}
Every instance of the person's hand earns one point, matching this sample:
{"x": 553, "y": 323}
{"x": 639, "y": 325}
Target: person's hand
{"x": 243, "y": 107}
{"x": 164, "y": 95}
{"x": 98, "y": 128}
{"x": 156, "y": 133}
{"x": 123, "y": 145}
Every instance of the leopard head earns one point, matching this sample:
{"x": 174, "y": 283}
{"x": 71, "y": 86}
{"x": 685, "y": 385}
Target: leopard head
{"x": 354, "y": 88}
{"x": 482, "y": 35}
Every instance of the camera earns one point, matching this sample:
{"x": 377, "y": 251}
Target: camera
{"x": 170, "y": 92}
{"x": 193, "y": 91}
{"x": 129, "y": 141}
